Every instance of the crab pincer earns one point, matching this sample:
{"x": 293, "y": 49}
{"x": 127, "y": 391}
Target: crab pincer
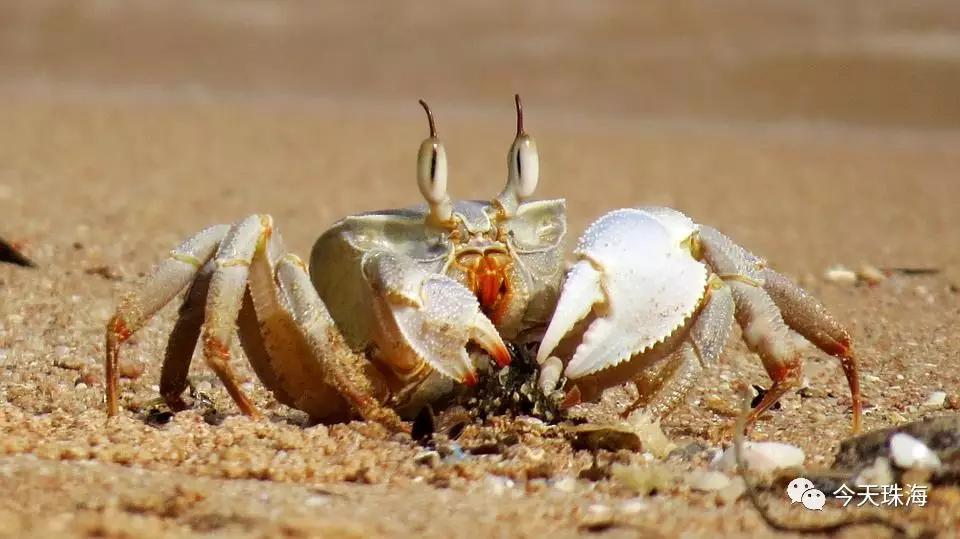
{"x": 651, "y": 300}
{"x": 426, "y": 318}
{"x": 634, "y": 285}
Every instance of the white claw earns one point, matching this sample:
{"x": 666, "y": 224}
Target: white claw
{"x": 581, "y": 292}
{"x": 429, "y": 317}
{"x": 639, "y": 280}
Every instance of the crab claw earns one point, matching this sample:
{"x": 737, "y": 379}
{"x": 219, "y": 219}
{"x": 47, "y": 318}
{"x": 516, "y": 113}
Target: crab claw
{"x": 636, "y": 280}
{"x": 427, "y": 317}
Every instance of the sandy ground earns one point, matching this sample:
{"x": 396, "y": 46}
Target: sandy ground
{"x": 107, "y": 161}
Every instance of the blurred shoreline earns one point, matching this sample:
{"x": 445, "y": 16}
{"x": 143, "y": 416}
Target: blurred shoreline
{"x": 878, "y": 64}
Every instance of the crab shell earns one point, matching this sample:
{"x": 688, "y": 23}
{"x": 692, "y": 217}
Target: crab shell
{"x": 634, "y": 285}
{"x": 523, "y": 252}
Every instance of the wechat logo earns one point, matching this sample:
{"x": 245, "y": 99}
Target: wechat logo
{"x": 802, "y": 490}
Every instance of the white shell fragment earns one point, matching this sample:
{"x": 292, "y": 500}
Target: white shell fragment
{"x": 871, "y": 274}
{"x": 644, "y": 479}
{"x": 708, "y": 480}
{"x": 636, "y": 276}
{"x": 840, "y": 275}
{"x": 878, "y": 473}
{"x": 761, "y": 457}
{"x": 651, "y": 435}
{"x": 910, "y": 453}
{"x": 936, "y": 399}
{"x": 498, "y": 485}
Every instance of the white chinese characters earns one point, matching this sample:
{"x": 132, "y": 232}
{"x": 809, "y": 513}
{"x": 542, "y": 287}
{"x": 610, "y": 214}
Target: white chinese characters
{"x": 802, "y": 490}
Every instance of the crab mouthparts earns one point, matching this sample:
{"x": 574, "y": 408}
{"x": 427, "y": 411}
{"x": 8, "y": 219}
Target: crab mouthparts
{"x": 491, "y": 285}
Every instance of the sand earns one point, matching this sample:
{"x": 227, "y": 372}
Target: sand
{"x": 106, "y": 162}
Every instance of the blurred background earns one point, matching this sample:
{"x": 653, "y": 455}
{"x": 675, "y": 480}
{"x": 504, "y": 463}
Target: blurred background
{"x": 132, "y": 124}
{"x": 869, "y": 62}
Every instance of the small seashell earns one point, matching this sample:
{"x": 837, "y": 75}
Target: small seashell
{"x": 643, "y": 479}
{"x": 936, "y": 399}
{"x": 565, "y": 484}
{"x": 598, "y": 509}
{"x": 651, "y": 435}
{"x": 953, "y": 402}
{"x": 910, "y": 453}
{"x": 317, "y": 501}
{"x": 633, "y": 506}
{"x": 871, "y": 274}
{"x": 732, "y": 492}
{"x": 498, "y": 485}
{"x": 597, "y": 517}
{"x": 840, "y": 275}
{"x": 708, "y": 480}
{"x": 761, "y": 457}
{"x": 878, "y": 473}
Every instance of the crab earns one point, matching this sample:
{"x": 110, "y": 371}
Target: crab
{"x": 402, "y": 308}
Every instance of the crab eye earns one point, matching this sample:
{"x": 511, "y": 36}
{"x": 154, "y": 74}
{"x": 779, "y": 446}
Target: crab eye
{"x": 432, "y": 174}
{"x": 524, "y": 166}
{"x": 523, "y": 161}
{"x": 523, "y": 169}
{"x": 432, "y": 170}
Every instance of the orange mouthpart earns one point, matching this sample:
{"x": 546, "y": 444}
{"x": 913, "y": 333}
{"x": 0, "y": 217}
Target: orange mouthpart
{"x": 490, "y": 285}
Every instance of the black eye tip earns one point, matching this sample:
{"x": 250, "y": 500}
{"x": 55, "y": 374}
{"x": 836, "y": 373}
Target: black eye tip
{"x": 519, "y": 105}
{"x": 433, "y": 127}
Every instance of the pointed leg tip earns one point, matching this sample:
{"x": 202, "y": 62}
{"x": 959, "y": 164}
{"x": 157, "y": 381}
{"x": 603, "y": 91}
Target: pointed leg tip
{"x": 572, "y": 398}
{"x": 502, "y": 356}
{"x": 470, "y": 379}
{"x": 857, "y": 421}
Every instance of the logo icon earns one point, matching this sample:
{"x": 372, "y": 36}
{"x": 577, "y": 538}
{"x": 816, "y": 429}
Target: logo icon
{"x": 814, "y": 499}
{"x": 803, "y": 491}
{"x": 797, "y": 487}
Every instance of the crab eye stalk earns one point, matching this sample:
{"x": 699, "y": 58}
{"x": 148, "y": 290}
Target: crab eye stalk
{"x": 523, "y": 168}
{"x": 432, "y": 173}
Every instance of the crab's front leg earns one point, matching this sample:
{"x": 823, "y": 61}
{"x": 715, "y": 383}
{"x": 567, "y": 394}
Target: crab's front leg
{"x": 636, "y": 302}
{"x": 423, "y": 324}
{"x": 638, "y": 307}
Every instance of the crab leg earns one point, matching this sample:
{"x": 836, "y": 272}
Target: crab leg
{"x": 227, "y": 285}
{"x": 296, "y": 348}
{"x": 183, "y": 340}
{"x": 186, "y": 332}
{"x": 776, "y": 315}
{"x": 810, "y": 318}
{"x": 780, "y": 348}
{"x": 169, "y": 277}
{"x": 349, "y": 374}
{"x": 300, "y": 367}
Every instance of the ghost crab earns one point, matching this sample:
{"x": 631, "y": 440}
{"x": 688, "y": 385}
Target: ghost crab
{"x": 393, "y": 301}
